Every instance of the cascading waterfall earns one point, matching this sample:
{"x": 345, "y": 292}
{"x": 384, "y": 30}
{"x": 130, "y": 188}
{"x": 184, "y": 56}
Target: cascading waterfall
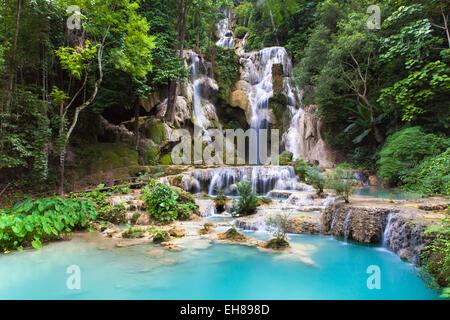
{"x": 387, "y": 230}
{"x": 263, "y": 179}
{"x": 226, "y": 36}
{"x": 257, "y": 71}
{"x": 334, "y": 219}
{"x": 347, "y": 220}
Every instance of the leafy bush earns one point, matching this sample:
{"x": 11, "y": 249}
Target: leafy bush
{"x": 133, "y": 233}
{"x": 161, "y": 236}
{"x": 316, "y": 178}
{"x": 227, "y": 71}
{"x": 166, "y": 204}
{"x": 342, "y": 182}
{"x": 300, "y": 168}
{"x": 404, "y": 150}
{"x": 437, "y": 256}
{"x": 248, "y": 202}
{"x": 105, "y": 211}
{"x": 285, "y": 158}
{"x": 432, "y": 176}
{"x": 240, "y": 32}
{"x": 33, "y": 222}
{"x": 280, "y": 224}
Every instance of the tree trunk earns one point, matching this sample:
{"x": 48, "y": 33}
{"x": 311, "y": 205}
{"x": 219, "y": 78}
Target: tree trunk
{"x": 372, "y": 118}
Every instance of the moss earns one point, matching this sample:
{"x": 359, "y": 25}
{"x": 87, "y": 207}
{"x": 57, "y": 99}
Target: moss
{"x": 166, "y": 160}
{"x": 105, "y": 157}
{"x": 151, "y": 156}
{"x": 156, "y": 131}
{"x": 285, "y": 158}
{"x": 277, "y": 244}
{"x": 161, "y": 236}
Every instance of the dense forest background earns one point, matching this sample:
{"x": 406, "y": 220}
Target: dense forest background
{"x": 383, "y": 92}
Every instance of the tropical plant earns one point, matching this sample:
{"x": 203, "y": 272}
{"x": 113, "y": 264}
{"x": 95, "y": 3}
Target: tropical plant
{"x": 342, "y": 182}
{"x": 316, "y": 178}
{"x": 248, "y": 201}
{"x": 280, "y": 224}
{"x": 404, "y": 150}
{"x": 436, "y": 267}
{"x": 33, "y": 222}
{"x": 166, "y": 204}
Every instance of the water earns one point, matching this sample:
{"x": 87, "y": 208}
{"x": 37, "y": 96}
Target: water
{"x": 215, "y": 272}
{"x": 380, "y": 192}
{"x": 263, "y": 179}
{"x": 226, "y": 36}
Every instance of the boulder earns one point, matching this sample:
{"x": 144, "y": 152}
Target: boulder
{"x": 177, "y": 232}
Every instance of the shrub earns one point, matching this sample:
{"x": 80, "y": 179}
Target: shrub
{"x": 316, "y": 178}
{"x": 248, "y": 202}
{"x": 437, "y": 257}
{"x": 300, "y": 168}
{"x": 280, "y": 224}
{"x": 133, "y": 233}
{"x": 240, "y": 32}
{"x": 161, "y": 236}
{"x": 432, "y": 176}
{"x": 33, "y": 222}
{"x": 404, "y": 150}
{"x": 285, "y": 158}
{"x": 105, "y": 211}
{"x": 166, "y": 204}
{"x": 342, "y": 182}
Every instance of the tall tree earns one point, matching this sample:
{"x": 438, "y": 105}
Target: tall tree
{"x": 131, "y": 53}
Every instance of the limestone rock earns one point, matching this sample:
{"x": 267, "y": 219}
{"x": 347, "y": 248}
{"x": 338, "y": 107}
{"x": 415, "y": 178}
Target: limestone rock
{"x": 177, "y": 232}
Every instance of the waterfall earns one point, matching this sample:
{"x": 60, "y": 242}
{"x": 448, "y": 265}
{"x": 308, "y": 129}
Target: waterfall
{"x": 226, "y": 36}
{"x": 347, "y": 220}
{"x": 387, "y": 230}
{"x": 263, "y": 179}
{"x": 334, "y": 219}
{"x": 257, "y": 71}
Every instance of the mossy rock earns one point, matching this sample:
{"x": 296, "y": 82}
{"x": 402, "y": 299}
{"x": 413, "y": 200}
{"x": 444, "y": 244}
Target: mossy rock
{"x": 161, "y": 236}
{"x": 277, "y": 244}
{"x": 166, "y": 160}
{"x": 104, "y": 157}
{"x": 286, "y": 158}
{"x": 156, "y": 131}
{"x": 150, "y": 156}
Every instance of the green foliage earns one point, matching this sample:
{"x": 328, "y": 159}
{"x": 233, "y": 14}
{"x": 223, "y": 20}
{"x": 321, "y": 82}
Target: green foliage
{"x": 34, "y": 222}
{"x": 404, "y": 150}
{"x": 285, "y": 158}
{"x": 76, "y": 60}
{"x": 166, "y": 204}
{"x": 342, "y": 182}
{"x": 432, "y": 176}
{"x": 133, "y": 233}
{"x": 316, "y": 178}
{"x": 161, "y": 236}
{"x": 436, "y": 257}
{"x": 106, "y": 212}
{"x": 240, "y": 32}
{"x": 24, "y": 139}
{"x": 227, "y": 71}
{"x": 280, "y": 224}
{"x": 300, "y": 167}
{"x": 248, "y": 201}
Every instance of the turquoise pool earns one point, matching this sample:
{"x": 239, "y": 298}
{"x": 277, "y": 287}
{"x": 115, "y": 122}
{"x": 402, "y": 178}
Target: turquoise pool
{"x": 337, "y": 270}
{"x": 380, "y": 192}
